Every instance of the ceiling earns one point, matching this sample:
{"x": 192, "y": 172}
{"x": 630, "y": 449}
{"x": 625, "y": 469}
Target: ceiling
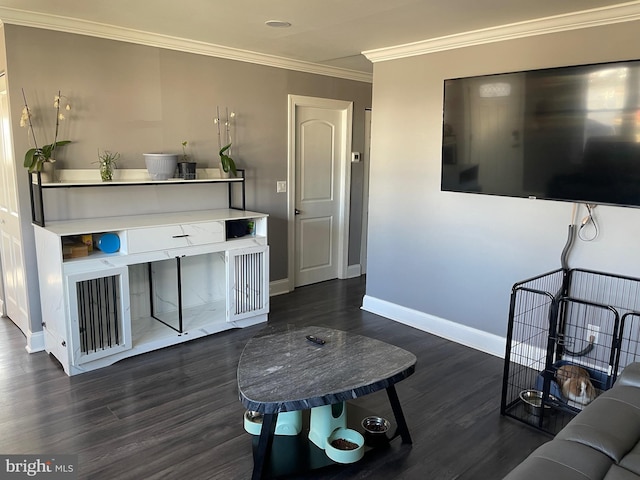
{"x": 330, "y": 33}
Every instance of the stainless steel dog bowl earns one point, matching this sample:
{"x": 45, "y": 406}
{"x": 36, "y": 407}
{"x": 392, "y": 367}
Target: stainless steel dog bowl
{"x": 375, "y": 425}
{"x": 375, "y": 431}
{"x": 532, "y": 400}
{"x": 252, "y": 422}
{"x": 253, "y": 417}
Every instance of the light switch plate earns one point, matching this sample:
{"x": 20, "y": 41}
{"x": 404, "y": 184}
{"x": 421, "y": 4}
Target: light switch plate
{"x": 281, "y": 186}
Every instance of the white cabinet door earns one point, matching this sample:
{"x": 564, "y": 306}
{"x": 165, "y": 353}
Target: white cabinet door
{"x": 99, "y": 313}
{"x": 248, "y": 282}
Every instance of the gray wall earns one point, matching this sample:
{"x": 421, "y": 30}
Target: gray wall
{"x": 30, "y": 278}
{"x": 436, "y": 255}
{"x": 135, "y": 99}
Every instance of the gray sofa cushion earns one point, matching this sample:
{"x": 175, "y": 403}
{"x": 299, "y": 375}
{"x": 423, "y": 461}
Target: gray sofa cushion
{"x": 630, "y": 375}
{"x": 601, "y": 443}
{"x": 563, "y": 460}
{"x": 631, "y": 460}
{"x": 610, "y": 425}
{"x": 624, "y": 393}
{"x": 618, "y": 473}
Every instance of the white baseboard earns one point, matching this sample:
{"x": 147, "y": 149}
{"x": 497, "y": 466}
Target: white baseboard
{"x": 468, "y": 336}
{"x": 354, "y": 271}
{"x": 35, "y": 342}
{"x": 279, "y": 287}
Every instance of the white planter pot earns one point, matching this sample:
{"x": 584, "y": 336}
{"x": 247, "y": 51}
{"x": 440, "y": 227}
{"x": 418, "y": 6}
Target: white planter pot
{"x": 161, "y": 166}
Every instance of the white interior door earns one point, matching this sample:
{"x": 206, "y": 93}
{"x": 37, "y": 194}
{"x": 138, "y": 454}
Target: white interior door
{"x": 322, "y": 144}
{"x": 11, "y": 251}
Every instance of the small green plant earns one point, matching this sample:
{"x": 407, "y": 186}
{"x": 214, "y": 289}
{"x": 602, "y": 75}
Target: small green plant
{"x": 228, "y": 165}
{"x": 107, "y": 162}
{"x": 185, "y": 157}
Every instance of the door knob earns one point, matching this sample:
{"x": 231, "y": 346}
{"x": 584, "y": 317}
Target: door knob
{"x": 298, "y": 212}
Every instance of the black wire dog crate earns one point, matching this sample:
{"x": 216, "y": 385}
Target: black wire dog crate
{"x": 566, "y": 317}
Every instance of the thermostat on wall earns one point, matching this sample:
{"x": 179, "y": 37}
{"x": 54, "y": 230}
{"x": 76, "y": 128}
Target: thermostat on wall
{"x": 355, "y": 157}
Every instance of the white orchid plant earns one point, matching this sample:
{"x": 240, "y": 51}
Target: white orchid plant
{"x": 228, "y": 165}
{"x": 38, "y": 155}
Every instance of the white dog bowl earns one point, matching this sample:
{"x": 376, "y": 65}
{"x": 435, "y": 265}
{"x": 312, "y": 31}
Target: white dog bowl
{"x": 161, "y": 166}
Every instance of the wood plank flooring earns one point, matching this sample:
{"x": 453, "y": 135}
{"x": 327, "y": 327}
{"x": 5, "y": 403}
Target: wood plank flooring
{"x": 175, "y": 413}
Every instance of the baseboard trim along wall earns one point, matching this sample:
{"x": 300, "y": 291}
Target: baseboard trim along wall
{"x": 462, "y": 334}
{"x": 278, "y": 287}
{"x": 35, "y": 342}
{"x": 354, "y": 271}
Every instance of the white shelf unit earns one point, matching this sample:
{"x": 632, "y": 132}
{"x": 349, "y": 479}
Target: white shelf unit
{"x": 179, "y": 268}
{"x": 84, "y": 178}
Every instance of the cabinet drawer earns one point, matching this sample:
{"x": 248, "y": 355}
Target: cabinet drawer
{"x": 174, "y": 236}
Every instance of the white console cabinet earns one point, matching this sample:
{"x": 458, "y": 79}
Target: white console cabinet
{"x": 176, "y": 277}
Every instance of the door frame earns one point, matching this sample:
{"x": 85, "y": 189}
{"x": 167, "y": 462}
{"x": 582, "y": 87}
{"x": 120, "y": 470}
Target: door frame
{"x": 365, "y": 191}
{"x": 344, "y": 180}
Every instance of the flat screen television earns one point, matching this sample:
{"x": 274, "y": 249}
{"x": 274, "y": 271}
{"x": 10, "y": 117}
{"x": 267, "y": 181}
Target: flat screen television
{"x": 569, "y": 133}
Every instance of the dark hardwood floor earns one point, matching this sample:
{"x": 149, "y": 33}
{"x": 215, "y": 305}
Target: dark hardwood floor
{"x": 175, "y": 413}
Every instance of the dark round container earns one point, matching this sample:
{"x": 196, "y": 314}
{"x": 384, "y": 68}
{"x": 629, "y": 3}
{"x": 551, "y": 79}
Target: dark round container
{"x": 375, "y": 431}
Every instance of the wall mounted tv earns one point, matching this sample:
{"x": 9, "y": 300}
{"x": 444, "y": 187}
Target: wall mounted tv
{"x": 570, "y": 133}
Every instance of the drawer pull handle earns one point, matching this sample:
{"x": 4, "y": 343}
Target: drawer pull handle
{"x": 180, "y": 236}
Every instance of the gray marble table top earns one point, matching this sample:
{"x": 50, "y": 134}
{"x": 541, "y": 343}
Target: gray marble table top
{"x": 281, "y": 371}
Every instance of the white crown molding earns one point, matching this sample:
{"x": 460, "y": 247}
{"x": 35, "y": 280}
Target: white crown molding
{"x": 14, "y": 16}
{"x": 624, "y": 12}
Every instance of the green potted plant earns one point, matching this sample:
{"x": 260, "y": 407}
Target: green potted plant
{"x": 227, "y": 165}
{"x": 107, "y": 162}
{"x": 36, "y": 157}
{"x": 226, "y": 162}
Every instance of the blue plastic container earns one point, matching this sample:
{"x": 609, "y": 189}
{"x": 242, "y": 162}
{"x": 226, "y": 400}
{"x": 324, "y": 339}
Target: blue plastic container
{"x": 108, "y": 243}
{"x": 600, "y": 380}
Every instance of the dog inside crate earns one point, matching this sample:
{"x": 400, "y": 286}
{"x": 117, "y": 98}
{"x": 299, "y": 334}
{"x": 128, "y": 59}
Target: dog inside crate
{"x": 580, "y": 372}
{"x": 573, "y": 384}
{"x": 576, "y": 329}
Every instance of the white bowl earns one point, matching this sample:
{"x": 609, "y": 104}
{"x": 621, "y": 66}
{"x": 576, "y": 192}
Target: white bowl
{"x": 161, "y": 166}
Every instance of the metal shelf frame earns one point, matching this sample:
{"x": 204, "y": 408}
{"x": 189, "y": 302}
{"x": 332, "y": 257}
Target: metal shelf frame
{"x": 37, "y": 198}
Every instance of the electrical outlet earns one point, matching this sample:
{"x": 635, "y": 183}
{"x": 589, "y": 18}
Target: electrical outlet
{"x": 593, "y": 331}
{"x": 281, "y": 186}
